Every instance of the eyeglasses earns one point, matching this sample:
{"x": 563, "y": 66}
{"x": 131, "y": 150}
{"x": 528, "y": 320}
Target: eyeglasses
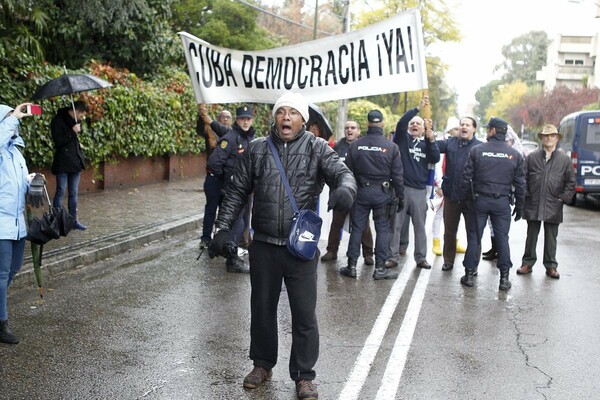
{"x": 292, "y": 113}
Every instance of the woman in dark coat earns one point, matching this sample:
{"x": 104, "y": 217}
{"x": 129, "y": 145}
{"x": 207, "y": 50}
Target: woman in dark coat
{"x": 68, "y": 156}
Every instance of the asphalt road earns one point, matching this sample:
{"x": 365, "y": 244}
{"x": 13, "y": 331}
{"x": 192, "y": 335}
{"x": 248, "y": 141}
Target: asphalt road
{"x": 158, "y": 324}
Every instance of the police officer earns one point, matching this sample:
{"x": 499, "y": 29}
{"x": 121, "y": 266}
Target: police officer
{"x": 211, "y": 131}
{"x": 377, "y": 167}
{"x": 491, "y": 169}
{"x": 222, "y": 162}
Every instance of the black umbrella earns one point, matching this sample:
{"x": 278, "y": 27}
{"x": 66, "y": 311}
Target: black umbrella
{"x": 315, "y": 115}
{"x": 69, "y": 84}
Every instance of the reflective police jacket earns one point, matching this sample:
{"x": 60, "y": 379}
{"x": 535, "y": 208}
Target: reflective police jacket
{"x": 373, "y": 159}
{"x": 416, "y": 153}
{"x": 308, "y": 162}
{"x": 229, "y": 149}
{"x": 457, "y": 152}
{"x": 494, "y": 167}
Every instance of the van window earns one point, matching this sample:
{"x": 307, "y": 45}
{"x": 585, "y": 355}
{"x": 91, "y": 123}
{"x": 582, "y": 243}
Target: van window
{"x": 591, "y": 133}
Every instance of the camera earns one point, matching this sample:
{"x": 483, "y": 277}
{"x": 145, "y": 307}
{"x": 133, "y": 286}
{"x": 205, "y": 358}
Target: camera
{"x": 34, "y": 109}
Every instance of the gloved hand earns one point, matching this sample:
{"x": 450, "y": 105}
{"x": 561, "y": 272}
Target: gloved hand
{"x": 216, "y": 246}
{"x": 400, "y": 205}
{"x": 36, "y": 191}
{"x": 517, "y": 214}
{"x": 340, "y": 199}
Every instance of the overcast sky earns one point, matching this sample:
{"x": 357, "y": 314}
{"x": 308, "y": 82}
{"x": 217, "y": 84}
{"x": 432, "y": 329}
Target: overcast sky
{"x": 487, "y": 25}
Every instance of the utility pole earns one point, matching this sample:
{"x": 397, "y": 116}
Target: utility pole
{"x": 316, "y": 19}
{"x": 343, "y": 108}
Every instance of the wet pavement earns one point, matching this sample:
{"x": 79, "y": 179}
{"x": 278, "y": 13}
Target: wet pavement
{"x": 156, "y": 323}
{"x": 120, "y": 220}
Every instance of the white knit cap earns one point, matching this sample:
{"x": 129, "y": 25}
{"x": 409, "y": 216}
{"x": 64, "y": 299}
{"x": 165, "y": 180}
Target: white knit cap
{"x": 452, "y": 123}
{"x": 294, "y": 100}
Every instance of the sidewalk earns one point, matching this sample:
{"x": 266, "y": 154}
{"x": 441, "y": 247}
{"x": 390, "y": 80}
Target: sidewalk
{"x": 120, "y": 220}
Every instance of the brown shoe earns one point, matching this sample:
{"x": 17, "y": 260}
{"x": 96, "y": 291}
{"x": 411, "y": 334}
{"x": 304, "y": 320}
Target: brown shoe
{"x": 391, "y": 264}
{"x": 256, "y": 377}
{"x": 524, "y": 270}
{"x": 329, "y": 256}
{"x": 369, "y": 260}
{"x": 424, "y": 264}
{"x": 306, "y": 390}
{"x": 552, "y": 273}
{"x": 402, "y": 253}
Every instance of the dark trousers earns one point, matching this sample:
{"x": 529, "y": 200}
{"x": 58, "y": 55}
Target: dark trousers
{"x": 452, "y": 215}
{"x": 498, "y": 210}
{"x": 270, "y": 265}
{"x": 550, "y": 235}
{"x": 368, "y": 199}
{"x": 212, "y": 191}
{"x": 64, "y": 182}
{"x": 337, "y": 223}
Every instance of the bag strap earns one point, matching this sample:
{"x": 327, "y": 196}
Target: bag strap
{"x": 283, "y": 177}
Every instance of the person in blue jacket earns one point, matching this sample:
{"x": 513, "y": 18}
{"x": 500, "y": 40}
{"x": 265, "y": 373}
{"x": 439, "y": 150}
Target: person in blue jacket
{"x": 457, "y": 151}
{"x": 14, "y": 185}
{"x": 418, "y": 148}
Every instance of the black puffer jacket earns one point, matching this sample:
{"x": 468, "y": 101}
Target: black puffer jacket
{"x": 308, "y": 162}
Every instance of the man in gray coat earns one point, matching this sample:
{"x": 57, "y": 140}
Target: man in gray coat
{"x": 550, "y": 184}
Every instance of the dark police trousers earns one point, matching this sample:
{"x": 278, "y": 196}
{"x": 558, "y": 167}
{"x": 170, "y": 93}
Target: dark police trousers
{"x": 212, "y": 191}
{"x": 270, "y": 265}
{"x": 367, "y": 199}
{"x": 498, "y": 209}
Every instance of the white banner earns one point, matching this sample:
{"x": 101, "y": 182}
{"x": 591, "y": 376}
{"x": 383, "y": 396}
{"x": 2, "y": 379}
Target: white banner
{"x": 386, "y": 57}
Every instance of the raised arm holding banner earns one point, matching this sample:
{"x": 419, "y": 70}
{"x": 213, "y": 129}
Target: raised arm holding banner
{"x": 386, "y": 57}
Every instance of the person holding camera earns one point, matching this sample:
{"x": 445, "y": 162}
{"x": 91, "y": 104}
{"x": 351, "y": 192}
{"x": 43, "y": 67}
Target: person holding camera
{"x": 16, "y": 184}
{"x": 308, "y": 162}
{"x": 68, "y": 161}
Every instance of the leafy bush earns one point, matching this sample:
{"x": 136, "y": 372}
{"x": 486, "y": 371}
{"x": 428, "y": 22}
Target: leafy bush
{"x": 134, "y": 117}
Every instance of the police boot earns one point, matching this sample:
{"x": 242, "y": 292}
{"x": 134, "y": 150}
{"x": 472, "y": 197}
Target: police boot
{"x": 491, "y": 254}
{"x": 236, "y": 264}
{"x": 504, "y": 282}
{"x": 6, "y": 334}
{"x": 381, "y": 272}
{"x": 350, "y": 270}
{"x": 467, "y": 280}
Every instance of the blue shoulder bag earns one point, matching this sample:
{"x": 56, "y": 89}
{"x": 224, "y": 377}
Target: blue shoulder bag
{"x": 305, "y": 231}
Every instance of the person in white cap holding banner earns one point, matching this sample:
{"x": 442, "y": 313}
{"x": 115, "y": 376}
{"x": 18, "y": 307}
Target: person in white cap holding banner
{"x": 308, "y": 162}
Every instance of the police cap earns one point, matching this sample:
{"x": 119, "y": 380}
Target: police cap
{"x": 244, "y": 112}
{"x": 375, "y": 116}
{"x": 498, "y": 123}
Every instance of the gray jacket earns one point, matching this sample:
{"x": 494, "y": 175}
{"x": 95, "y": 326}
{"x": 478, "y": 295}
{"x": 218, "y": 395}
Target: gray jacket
{"x": 550, "y": 184}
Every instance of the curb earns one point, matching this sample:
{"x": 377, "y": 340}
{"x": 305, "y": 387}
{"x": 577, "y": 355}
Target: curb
{"x": 94, "y": 250}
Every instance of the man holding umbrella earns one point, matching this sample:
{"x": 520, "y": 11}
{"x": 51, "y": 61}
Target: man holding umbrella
{"x": 68, "y": 156}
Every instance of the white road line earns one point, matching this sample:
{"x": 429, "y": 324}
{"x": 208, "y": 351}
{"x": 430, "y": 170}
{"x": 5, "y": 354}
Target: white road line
{"x": 395, "y": 366}
{"x": 362, "y": 365}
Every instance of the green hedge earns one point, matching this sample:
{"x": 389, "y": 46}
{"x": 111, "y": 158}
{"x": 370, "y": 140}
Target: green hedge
{"x": 134, "y": 117}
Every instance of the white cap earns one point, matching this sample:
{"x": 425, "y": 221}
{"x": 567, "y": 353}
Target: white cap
{"x": 452, "y": 123}
{"x": 294, "y": 100}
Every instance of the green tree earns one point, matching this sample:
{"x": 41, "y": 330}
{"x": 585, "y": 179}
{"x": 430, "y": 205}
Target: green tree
{"x": 506, "y": 97}
{"x": 221, "y": 23}
{"x": 485, "y": 97}
{"x": 524, "y": 56}
{"x": 438, "y": 26}
{"x": 21, "y": 25}
{"x": 133, "y": 34}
